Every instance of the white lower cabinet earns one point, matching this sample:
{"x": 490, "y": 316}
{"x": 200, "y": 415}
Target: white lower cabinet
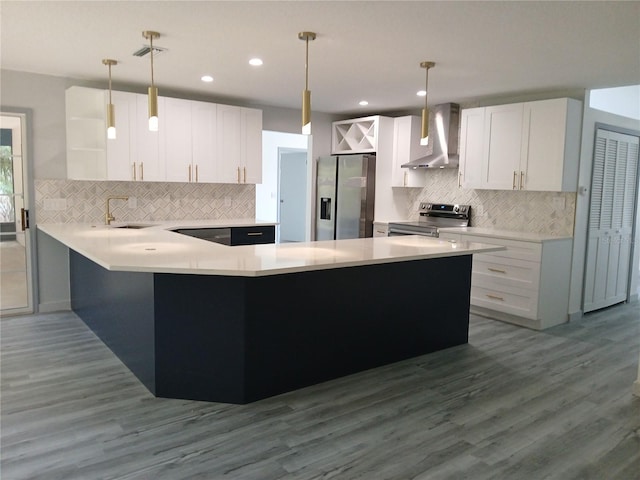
{"x": 526, "y": 284}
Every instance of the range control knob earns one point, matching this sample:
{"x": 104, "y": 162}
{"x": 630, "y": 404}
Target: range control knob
{"x": 456, "y": 208}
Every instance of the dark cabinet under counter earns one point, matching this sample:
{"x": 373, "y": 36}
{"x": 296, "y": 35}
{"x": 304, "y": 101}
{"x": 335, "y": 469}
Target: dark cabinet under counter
{"x": 233, "y": 236}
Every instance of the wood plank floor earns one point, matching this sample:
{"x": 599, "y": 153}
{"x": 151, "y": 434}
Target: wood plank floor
{"x": 512, "y": 404}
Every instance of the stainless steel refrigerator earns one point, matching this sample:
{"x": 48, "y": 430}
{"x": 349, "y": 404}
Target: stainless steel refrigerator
{"x": 345, "y": 189}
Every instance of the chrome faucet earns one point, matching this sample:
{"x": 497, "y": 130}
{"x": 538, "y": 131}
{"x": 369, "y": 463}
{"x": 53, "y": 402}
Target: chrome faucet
{"x": 108, "y": 218}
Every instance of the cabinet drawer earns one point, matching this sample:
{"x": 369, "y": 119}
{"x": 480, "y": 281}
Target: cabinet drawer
{"x": 253, "y": 235}
{"x": 514, "y": 248}
{"x": 495, "y": 271}
{"x": 520, "y": 302}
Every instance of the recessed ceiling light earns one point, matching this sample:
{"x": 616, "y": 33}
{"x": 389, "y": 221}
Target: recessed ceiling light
{"x": 363, "y": 103}
{"x": 207, "y": 78}
{"x": 421, "y": 93}
{"x": 256, "y": 62}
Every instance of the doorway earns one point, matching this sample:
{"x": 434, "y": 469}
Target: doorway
{"x": 611, "y": 218}
{"x": 292, "y": 192}
{"x": 16, "y": 292}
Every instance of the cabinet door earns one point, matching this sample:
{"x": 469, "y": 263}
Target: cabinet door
{"x": 148, "y": 157}
{"x": 176, "y": 136}
{"x": 229, "y": 138}
{"x": 204, "y": 133}
{"x": 502, "y": 146}
{"x": 119, "y": 161}
{"x": 251, "y": 145}
{"x": 471, "y": 148}
{"x": 543, "y": 145}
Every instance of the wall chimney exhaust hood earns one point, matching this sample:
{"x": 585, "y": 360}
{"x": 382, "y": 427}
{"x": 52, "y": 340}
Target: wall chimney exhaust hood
{"x": 444, "y": 121}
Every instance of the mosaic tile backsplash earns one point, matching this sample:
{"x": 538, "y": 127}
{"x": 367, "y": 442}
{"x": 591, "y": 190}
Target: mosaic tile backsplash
{"x": 549, "y": 213}
{"x": 71, "y": 201}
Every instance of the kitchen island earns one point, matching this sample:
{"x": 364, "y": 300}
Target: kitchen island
{"x": 197, "y": 320}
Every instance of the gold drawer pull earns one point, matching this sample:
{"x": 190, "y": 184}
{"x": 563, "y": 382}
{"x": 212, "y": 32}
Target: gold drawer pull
{"x": 495, "y": 297}
{"x": 497, "y": 270}
{"x": 254, "y": 234}
{"x": 515, "y": 174}
{"x": 196, "y": 173}
{"x": 521, "y": 180}
{"x": 189, "y": 173}
{"x": 238, "y": 170}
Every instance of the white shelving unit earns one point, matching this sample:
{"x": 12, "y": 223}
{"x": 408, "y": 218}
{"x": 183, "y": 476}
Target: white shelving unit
{"x": 358, "y": 135}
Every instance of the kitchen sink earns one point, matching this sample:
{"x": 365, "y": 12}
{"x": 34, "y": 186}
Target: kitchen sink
{"x": 135, "y": 225}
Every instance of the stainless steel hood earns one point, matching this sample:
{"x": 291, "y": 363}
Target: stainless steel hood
{"x": 444, "y": 121}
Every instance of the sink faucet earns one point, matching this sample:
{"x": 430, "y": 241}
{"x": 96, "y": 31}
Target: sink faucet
{"x": 108, "y": 218}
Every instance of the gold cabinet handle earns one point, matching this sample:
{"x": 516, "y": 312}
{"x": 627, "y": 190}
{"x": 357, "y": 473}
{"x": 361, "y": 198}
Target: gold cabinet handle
{"x": 521, "y": 180}
{"x": 141, "y": 170}
{"x": 196, "y": 173}
{"x": 244, "y": 174}
{"x": 134, "y": 171}
{"x": 189, "y": 173}
{"x": 254, "y": 234}
{"x": 496, "y": 270}
{"x": 238, "y": 169}
{"x": 405, "y": 179}
{"x": 515, "y": 174}
{"x": 495, "y": 297}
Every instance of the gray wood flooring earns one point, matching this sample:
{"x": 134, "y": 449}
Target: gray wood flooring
{"x": 512, "y": 404}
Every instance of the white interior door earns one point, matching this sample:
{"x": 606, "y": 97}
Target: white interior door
{"x": 15, "y": 241}
{"x": 292, "y": 195}
{"x": 611, "y": 216}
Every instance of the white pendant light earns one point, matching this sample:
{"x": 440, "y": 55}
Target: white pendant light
{"x": 111, "y": 114}
{"x": 153, "y": 90}
{"x": 424, "y": 136}
{"x": 306, "y": 94}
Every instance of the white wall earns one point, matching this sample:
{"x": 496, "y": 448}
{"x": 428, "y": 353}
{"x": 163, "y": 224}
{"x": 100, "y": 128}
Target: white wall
{"x": 590, "y": 118}
{"x": 623, "y": 101}
{"x": 267, "y": 192}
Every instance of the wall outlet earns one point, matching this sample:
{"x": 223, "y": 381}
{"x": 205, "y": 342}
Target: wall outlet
{"x": 132, "y": 202}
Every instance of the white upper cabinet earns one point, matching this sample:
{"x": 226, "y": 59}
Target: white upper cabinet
{"x": 239, "y": 144}
{"x": 176, "y": 129}
{"x": 501, "y": 146}
{"x": 471, "y": 142}
{"x": 203, "y": 136}
{"x": 120, "y": 149}
{"x": 551, "y": 145}
{"x": 406, "y": 147}
{"x": 149, "y": 156}
{"x": 525, "y": 146}
{"x": 86, "y": 133}
{"x": 195, "y": 142}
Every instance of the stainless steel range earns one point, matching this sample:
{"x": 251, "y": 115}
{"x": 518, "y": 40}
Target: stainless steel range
{"x": 433, "y": 216}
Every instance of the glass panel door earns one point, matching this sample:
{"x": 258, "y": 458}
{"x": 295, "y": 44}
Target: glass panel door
{"x": 15, "y": 265}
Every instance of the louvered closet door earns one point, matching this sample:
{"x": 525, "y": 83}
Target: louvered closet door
{"x": 613, "y": 190}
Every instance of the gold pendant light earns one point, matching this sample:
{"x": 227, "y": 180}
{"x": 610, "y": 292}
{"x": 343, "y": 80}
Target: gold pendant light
{"x": 424, "y": 137}
{"x": 306, "y": 94}
{"x": 111, "y": 114}
{"x": 153, "y": 90}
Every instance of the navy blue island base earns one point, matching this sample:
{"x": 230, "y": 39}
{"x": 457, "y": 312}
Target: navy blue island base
{"x": 237, "y": 339}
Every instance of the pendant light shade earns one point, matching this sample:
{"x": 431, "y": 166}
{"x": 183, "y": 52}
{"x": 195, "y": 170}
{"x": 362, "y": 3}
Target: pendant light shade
{"x": 153, "y": 90}
{"x": 306, "y": 93}
{"x": 424, "y": 136}
{"x": 111, "y": 114}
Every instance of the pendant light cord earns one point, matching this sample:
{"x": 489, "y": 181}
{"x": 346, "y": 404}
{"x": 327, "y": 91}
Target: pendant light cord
{"x": 306, "y": 67}
{"x": 110, "y": 83}
{"x": 151, "y": 44}
{"x": 426, "y": 87}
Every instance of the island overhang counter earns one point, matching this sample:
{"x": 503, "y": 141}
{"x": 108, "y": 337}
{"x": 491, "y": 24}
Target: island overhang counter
{"x": 197, "y": 320}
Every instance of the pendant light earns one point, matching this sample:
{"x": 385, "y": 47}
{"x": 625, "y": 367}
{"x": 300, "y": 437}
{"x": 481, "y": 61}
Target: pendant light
{"x": 306, "y": 94}
{"x": 153, "y": 90}
{"x": 424, "y": 136}
{"x": 111, "y": 115}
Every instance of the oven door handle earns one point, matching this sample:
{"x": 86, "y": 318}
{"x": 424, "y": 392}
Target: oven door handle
{"x": 399, "y": 231}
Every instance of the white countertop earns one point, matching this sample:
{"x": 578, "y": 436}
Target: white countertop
{"x": 505, "y": 234}
{"x": 156, "y": 249}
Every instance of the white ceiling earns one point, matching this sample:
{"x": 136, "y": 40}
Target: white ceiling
{"x": 364, "y": 50}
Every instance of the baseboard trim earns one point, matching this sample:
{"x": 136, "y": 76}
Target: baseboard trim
{"x": 50, "y": 307}
{"x": 575, "y": 316}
